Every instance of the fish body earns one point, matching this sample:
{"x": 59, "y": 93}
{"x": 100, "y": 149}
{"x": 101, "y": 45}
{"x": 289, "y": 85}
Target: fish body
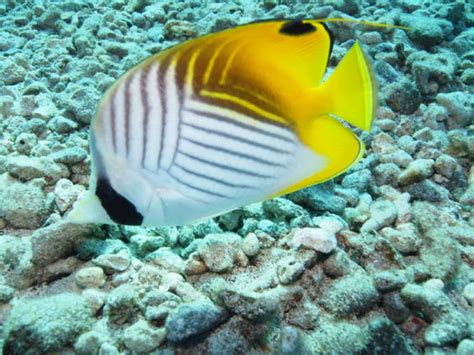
{"x": 223, "y": 121}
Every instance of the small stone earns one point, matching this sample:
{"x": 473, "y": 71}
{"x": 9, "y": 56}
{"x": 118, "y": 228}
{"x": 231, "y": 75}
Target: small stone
{"x": 448, "y": 325}
{"x": 382, "y": 213}
{"x": 62, "y": 124}
{"x": 403, "y": 97}
{"x": 434, "y": 284}
{"x": 416, "y": 171}
{"x": 113, "y": 262}
{"x": 90, "y": 342}
{"x": 291, "y": 342}
{"x": 256, "y": 308}
{"x": 24, "y": 168}
{"x": 446, "y": 165}
{"x": 165, "y": 258}
{"x": 219, "y": 251}
{"x": 290, "y": 268}
{"x": 394, "y": 307}
{"x": 192, "y": 319}
{"x": 13, "y": 74}
{"x": 121, "y": 306}
{"x": 250, "y": 245}
{"x": 25, "y": 142}
{"x": 468, "y": 293}
{"x": 390, "y": 280}
{"x": 465, "y": 347}
{"x": 194, "y": 265}
{"x": 339, "y": 264}
{"x": 352, "y": 294}
{"x": 142, "y": 245}
{"x": 60, "y": 268}
{"x": 371, "y": 38}
{"x": 90, "y": 277}
{"x": 403, "y": 238}
{"x": 316, "y": 238}
{"x": 143, "y": 338}
{"x": 427, "y": 190}
{"x": 66, "y": 194}
{"x": 94, "y": 298}
{"x": 69, "y": 156}
{"x": 6, "y": 293}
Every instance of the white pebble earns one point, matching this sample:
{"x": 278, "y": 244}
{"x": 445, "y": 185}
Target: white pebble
{"x": 316, "y": 238}
{"x": 251, "y": 245}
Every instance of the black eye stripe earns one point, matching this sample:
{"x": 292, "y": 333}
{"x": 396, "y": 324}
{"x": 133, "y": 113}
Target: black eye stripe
{"x": 297, "y": 28}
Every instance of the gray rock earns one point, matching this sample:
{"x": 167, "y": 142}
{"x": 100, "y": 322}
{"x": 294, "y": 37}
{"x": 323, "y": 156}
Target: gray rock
{"x": 251, "y": 306}
{"x": 235, "y": 337}
{"x": 46, "y": 325}
{"x": 90, "y": 277}
{"x": 165, "y": 258}
{"x": 66, "y": 194}
{"x": 219, "y": 251}
{"x": 403, "y": 238}
{"x": 283, "y": 209}
{"x": 142, "y": 245}
{"x": 394, "y": 307}
{"x": 468, "y": 293}
{"x": 440, "y": 254}
{"x": 360, "y": 180}
{"x": 448, "y": 325}
{"x": 62, "y": 124}
{"x": 348, "y": 295}
{"x": 402, "y": 96}
{"x": 24, "y": 206}
{"x": 386, "y": 338}
{"x": 291, "y": 341}
{"x": 465, "y": 347}
{"x": 24, "y": 168}
{"x": 319, "y": 239}
{"x": 319, "y": 198}
{"x": 427, "y": 190}
{"x": 69, "y": 156}
{"x": 13, "y": 73}
{"x": 25, "y": 142}
{"x": 6, "y": 293}
{"x": 426, "y": 31}
{"x": 382, "y": 214}
{"x": 95, "y": 299}
{"x": 58, "y": 241}
{"x": 251, "y": 245}
{"x": 446, "y": 165}
{"x": 143, "y": 338}
{"x": 193, "y": 319}
{"x": 387, "y": 174}
{"x": 416, "y": 171}
{"x": 290, "y": 268}
{"x": 339, "y": 264}
{"x": 460, "y": 106}
{"x": 90, "y": 342}
{"x": 121, "y": 306}
{"x": 113, "y": 262}
{"x": 389, "y": 280}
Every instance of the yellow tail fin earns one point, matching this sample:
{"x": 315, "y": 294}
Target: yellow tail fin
{"x": 351, "y": 90}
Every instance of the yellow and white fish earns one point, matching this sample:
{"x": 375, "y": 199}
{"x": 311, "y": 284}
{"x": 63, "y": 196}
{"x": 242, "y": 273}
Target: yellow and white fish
{"x": 223, "y": 121}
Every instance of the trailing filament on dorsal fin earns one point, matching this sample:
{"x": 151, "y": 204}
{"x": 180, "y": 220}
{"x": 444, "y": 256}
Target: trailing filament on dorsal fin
{"x": 362, "y": 22}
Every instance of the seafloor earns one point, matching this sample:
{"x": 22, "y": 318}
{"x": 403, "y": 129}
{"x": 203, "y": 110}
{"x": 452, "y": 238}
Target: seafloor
{"x": 387, "y": 266}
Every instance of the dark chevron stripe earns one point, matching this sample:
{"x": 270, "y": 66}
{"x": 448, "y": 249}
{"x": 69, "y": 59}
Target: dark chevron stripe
{"x": 162, "y": 89}
{"x": 236, "y": 123}
{"x": 224, "y": 167}
{"x": 112, "y": 119}
{"x": 127, "y": 112}
{"x": 146, "y": 109}
{"x": 236, "y": 138}
{"x": 232, "y": 152}
{"x": 191, "y": 186}
{"x": 219, "y": 181}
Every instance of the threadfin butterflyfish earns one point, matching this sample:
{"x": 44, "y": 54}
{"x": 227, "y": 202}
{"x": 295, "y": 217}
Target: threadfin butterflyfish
{"x": 225, "y": 120}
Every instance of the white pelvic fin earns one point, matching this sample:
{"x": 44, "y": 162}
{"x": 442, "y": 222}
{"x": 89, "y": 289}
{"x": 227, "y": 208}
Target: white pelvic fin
{"x": 88, "y": 209}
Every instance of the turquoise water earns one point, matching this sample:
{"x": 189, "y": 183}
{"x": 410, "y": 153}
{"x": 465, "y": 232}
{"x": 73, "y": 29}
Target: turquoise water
{"x": 378, "y": 260}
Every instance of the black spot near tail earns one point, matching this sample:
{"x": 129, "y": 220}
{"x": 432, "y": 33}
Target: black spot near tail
{"x": 119, "y": 209}
{"x": 297, "y": 28}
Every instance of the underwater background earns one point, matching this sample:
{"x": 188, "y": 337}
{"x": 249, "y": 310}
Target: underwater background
{"x": 386, "y": 265}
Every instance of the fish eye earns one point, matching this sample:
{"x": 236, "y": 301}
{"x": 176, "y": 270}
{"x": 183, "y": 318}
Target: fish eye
{"x": 297, "y": 28}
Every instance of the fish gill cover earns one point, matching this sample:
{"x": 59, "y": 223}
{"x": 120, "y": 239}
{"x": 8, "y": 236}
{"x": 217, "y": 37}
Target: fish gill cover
{"x": 378, "y": 260}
